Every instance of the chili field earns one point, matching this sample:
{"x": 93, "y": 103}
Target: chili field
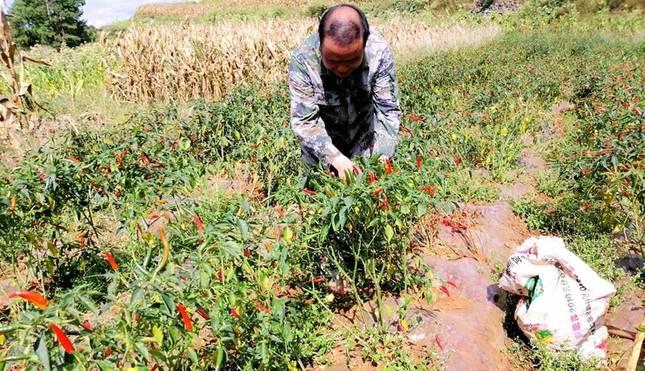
{"x": 189, "y": 235}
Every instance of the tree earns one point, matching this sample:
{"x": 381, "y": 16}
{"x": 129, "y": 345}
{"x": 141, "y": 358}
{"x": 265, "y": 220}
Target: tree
{"x": 49, "y": 22}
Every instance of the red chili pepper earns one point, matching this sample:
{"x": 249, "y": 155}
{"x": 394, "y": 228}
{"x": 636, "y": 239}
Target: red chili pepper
{"x": 145, "y": 161}
{"x": 414, "y": 118}
{"x": 455, "y": 227}
{"x": 438, "y": 342}
{"x": 111, "y": 261}
{"x": 399, "y": 326}
{"x": 188, "y": 324}
{"x": 458, "y": 160}
{"x": 247, "y": 254}
{"x": 419, "y": 161}
{"x": 119, "y": 158}
{"x": 198, "y": 223}
{"x": 42, "y": 176}
{"x": 452, "y": 283}
{"x": 235, "y": 313}
{"x": 444, "y": 289}
{"x": 309, "y": 191}
{"x": 220, "y": 275}
{"x": 384, "y": 203}
{"x": 317, "y": 280}
{"x": 80, "y": 237}
{"x": 154, "y": 367}
{"x": 107, "y": 352}
{"x": 585, "y": 207}
{"x": 430, "y": 190}
{"x": 377, "y": 192}
{"x": 202, "y": 313}
{"x": 88, "y": 326}
{"x": 262, "y": 308}
{"x": 372, "y": 177}
{"x": 279, "y": 210}
{"x": 117, "y": 194}
{"x": 388, "y": 167}
{"x": 62, "y": 338}
{"x": 33, "y": 297}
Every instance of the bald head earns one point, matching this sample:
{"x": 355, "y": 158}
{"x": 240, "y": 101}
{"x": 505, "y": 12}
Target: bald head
{"x": 343, "y": 24}
{"x": 343, "y": 35}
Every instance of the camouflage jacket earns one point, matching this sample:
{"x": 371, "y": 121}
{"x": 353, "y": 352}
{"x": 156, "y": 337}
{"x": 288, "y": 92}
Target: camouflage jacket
{"x": 355, "y": 116}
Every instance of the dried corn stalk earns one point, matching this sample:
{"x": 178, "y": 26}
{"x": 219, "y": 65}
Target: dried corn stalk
{"x": 15, "y": 108}
{"x": 183, "y": 62}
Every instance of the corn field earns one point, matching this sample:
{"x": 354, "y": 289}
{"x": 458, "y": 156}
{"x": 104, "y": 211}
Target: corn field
{"x": 183, "y": 62}
{"x": 192, "y": 10}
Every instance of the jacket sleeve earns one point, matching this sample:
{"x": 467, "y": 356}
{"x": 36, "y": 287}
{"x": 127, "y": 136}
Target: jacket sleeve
{"x": 387, "y": 111}
{"x": 305, "y": 118}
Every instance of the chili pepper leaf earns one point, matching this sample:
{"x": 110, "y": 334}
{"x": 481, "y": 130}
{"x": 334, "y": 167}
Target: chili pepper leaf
{"x": 342, "y": 218}
{"x": 220, "y": 357}
{"x": 205, "y": 277}
{"x": 89, "y": 304}
{"x": 405, "y": 209}
{"x": 105, "y": 365}
{"x": 43, "y": 353}
{"x": 421, "y": 209}
{"x": 157, "y": 334}
{"x": 324, "y": 232}
{"x": 264, "y": 352}
{"x": 142, "y": 349}
{"x": 137, "y": 294}
{"x": 244, "y": 229}
{"x": 232, "y": 249}
{"x": 193, "y": 356}
{"x": 389, "y": 233}
{"x": 174, "y": 332}
{"x": 169, "y": 304}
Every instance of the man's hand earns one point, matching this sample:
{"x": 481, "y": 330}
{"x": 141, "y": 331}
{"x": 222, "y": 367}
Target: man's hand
{"x": 343, "y": 166}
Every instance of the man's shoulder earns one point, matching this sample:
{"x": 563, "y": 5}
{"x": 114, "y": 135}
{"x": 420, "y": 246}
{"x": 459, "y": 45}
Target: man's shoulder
{"x": 376, "y": 41}
{"x": 376, "y": 48}
{"x": 308, "y": 51}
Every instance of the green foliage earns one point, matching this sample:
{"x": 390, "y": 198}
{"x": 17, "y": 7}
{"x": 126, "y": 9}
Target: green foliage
{"x": 532, "y": 214}
{"x": 549, "y": 10}
{"x": 410, "y": 5}
{"x": 49, "y": 22}
{"x": 601, "y": 254}
{"x": 362, "y": 227}
{"x": 547, "y": 359}
{"x": 316, "y": 10}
